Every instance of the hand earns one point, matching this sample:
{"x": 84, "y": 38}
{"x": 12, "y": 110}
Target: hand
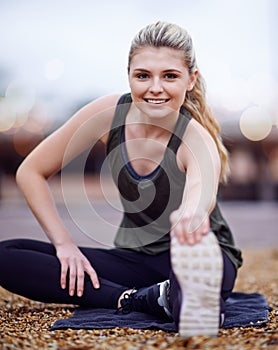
{"x": 74, "y": 262}
{"x": 188, "y": 228}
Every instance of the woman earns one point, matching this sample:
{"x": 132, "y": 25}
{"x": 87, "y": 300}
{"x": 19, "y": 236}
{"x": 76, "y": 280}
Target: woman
{"x": 174, "y": 254}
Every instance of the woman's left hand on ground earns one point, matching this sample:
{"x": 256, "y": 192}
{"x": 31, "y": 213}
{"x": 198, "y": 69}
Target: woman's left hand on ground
{"x": 189, "y": 228}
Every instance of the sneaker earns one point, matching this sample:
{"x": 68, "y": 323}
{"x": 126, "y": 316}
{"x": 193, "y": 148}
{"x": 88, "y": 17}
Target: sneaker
{"x": 151, "y": 300}
{"x": 198, "y": 269}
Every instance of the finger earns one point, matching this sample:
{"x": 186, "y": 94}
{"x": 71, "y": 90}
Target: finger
{"x": 175, "y": 218}
{"x": 80, "y": 279}
{"x": 176, "y": 226}
{"x": 63, "y": 276}
{"x": 198, "y": 235}
{"x": 206, "y": 227}
{"x": 72, "y": 277}
{"x": 93, "y": 275}
{"x": 188, "y": 236}
{"x": 194, "y": 237}
{"x": 202, "y": 230}
{"x": 198, "y": 227}
{"x": 180, "y": 232}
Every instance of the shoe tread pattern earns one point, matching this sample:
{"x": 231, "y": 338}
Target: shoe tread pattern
{"x": 198, "y": 269}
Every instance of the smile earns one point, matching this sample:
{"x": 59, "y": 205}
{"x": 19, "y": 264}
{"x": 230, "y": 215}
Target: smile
{"x": 156, "y": 101}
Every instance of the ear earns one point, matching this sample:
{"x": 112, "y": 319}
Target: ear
{"x": 192, "y": 80}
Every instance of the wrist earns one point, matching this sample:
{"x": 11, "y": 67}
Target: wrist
{"x": 60, "y": 240}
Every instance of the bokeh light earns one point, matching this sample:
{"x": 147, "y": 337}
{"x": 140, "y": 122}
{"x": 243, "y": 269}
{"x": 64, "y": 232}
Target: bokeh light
{"x": 7, "y": 117}
{"x": 20, "y": 96}
{"x": 38, "y": 121}
{"x": 255, "y": 123}
{"x": 244, "y": 168}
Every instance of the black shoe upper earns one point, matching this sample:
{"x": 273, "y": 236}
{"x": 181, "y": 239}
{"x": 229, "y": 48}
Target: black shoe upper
{"x": 144, "y": 300}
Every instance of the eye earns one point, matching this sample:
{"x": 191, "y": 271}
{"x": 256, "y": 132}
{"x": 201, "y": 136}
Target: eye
{"x": 170, "y": 76}
{"x": 142, "y": 76}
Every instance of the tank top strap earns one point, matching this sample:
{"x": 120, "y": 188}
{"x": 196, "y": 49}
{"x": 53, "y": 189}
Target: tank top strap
{"x": 114, "y": 138}
{"x": 122, "y": 108}
{"x": 181, "y": 125}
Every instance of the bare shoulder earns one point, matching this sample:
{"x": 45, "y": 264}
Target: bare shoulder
{"x": 104, "y": 106}
{"x": 103, "y": 103}
{"x": 197, "y": 144}
{"x": 95, "y": 116}
{"x": 195, "y": 128}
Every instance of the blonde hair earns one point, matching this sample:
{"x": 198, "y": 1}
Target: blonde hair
{"x": 164, "y": 34}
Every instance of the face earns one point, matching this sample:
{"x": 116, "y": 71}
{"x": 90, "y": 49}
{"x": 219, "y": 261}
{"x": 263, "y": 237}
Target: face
{"x": 159, "y": 79}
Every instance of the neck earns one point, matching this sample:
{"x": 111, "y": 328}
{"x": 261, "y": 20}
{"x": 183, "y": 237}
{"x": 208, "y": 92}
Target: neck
{"x": 153, "y": 127}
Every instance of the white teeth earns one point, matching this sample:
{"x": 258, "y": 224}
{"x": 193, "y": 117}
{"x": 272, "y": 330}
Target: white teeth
{"x": 156, "y": 101}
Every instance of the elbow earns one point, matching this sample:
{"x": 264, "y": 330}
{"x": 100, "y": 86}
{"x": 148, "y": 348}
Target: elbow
{"x": 29, "y": 172}
{"x": 25, "y": 173}
{"x": 21, "y": 174}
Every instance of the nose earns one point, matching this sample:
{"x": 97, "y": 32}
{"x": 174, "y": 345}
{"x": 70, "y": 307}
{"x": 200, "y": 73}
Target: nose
{"x": 156, "y": 86}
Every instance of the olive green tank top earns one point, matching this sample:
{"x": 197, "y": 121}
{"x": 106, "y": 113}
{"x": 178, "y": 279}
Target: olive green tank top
{"x": 149, "y": 200}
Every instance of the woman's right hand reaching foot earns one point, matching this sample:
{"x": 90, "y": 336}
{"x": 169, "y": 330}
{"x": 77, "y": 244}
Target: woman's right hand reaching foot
{"x": 74, "y": 265}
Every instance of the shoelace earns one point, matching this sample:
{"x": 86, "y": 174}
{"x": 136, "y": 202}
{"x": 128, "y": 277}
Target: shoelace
{"x": 128, "y": 301}
{"x": 127, "y": 307}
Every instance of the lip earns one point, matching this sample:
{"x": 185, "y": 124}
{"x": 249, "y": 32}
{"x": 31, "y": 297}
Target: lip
{"x": 156, "y": 101}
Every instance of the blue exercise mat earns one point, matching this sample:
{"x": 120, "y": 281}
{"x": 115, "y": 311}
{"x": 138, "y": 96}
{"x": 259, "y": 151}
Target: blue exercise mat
{"x": 242, "y": 310}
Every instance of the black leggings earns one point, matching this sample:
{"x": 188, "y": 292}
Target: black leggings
{"x": 30, "y": 268}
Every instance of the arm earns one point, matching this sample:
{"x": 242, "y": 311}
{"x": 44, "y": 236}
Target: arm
{"x": 199, "y": 157}
{"x": 88, "y": 125}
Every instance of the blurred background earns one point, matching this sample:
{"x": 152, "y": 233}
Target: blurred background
{"x": 58, "y": 55}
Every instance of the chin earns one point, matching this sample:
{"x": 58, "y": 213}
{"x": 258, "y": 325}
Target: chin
{"x": 159, "y": 114}
{"x": 156, "y": 110}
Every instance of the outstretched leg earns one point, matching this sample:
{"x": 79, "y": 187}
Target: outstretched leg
{"x": 203, "y": 278}
{"x": 194, "y": 296}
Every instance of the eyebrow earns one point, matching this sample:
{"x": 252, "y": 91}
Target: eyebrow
{"x": 164, "y": 71}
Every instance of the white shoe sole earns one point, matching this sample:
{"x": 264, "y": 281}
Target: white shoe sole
{"x": 199, "y": 270}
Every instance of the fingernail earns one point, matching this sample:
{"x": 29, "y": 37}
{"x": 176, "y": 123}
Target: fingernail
{"x": 79, "y": 293}
{"x": 71, "y": 292}
{"x": 63, "y": 286}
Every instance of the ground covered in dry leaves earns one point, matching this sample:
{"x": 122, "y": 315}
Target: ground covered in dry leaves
{"x": 25, "y": 324}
